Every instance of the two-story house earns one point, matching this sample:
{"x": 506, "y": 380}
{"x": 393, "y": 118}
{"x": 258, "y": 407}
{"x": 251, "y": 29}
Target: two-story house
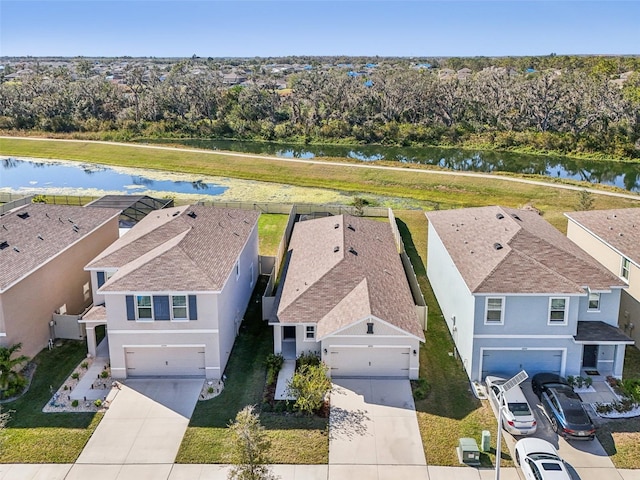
{"x": 173, "y": 291}
{"x": 517, "y": 294}
{"x": 345, "y": 295}
{"x": 43, "y": 250}
{"x": 613, "y": 238}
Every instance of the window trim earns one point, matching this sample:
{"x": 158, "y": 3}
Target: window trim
{"x": 306, "y": 333}
{"x": 486, "y": 310}
{"x": 150, "y": 307}
{"x": 185, "y": 306}
{"x": 625, "y": 267}
{"x": 565, "y": 309}
{"x": 591, "y": 309}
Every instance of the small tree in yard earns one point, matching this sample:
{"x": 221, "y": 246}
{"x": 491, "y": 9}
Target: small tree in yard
{"x": 585, "y": 200}
{"x": 250, "y": 444}
{"x": 309, "y": 386}
{"x": 11, "y": 380}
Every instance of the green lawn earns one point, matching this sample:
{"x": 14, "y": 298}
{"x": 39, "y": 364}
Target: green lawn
{"x": 36, "y": 437}
{"x": 270, "y": 231}
{"x": 297, "y": 440}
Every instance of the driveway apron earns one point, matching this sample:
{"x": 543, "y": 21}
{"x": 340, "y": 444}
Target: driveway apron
{"x": 373, "y": 422}
{"x": 144, "y": 424}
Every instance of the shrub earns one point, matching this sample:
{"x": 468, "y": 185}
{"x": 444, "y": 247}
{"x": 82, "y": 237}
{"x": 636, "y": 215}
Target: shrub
{"x": 309, "y": 386}
{"x": 104, "y": 373}
{"x": 98, "y": 403}
{"x": 74, "y": 403}
{"x": 588, "y": 382}
{"x": 210, "y": 390}
{"x": 571, "y": 380}
{"x": 311, "y": 359}
{"x": 631, "y": 388}
{"x": 274, "y": 362}
{"x": 75, "y": 375}
{"x": 579, "y": 382}
{"x": 84, "y": 365}
{"x": 420, "y": 388}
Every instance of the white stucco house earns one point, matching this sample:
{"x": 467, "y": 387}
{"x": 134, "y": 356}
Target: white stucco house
{"x": 173, "y": 291}
{"x": 613, "y": 238}
{"x": 344, "y": 294}
{"x": 517, "y": 294}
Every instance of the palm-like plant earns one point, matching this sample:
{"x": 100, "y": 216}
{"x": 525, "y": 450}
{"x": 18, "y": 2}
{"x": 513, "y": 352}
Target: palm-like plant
{"x": 9, "y": 371}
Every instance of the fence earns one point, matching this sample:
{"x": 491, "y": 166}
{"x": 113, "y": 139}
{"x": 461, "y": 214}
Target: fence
{"x": 10, "y": 204}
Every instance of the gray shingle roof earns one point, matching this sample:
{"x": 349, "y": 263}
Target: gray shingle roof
{"x": 620, "y": 228}
{"x": 342, "y": 269}
{"x": 600, "y": 332}
{"x": 44, "y": 233}
{"x": 171, "y": 250}
{"x": 518, "y": 253}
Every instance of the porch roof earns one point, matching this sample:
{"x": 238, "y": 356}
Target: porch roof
{"x": 600, "y": 332}
{"x": 96, "y": 314}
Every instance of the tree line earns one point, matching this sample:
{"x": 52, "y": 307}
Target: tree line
{"x": 574, "y": 110}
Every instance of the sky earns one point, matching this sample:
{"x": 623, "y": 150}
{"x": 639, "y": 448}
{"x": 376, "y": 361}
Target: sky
{"x": 242, "y": 28}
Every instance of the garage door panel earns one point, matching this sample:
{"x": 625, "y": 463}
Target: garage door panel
{"x": 510, "y": 362}
{"x": 369, "y": 362}
{"x": 165, "y": 361}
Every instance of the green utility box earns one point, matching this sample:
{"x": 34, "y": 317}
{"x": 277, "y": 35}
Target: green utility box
{"x": 468, "y": 452}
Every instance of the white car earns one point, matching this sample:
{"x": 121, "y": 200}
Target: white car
{"x": 539, "y": 460}
{"x": 517, "y": 417}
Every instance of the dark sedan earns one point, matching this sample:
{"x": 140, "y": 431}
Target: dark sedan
{"x": 563, "y": 407}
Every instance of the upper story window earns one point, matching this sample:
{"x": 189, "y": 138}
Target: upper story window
{"x": 626, "y": 267}
{"x": 494, "y": 311}
{"x": 594, "y": 301}
{"x": 161, "y": 307}
{"x": 558, "y": 310}
{"x": 179, "y": 307}
{"x": 310, "y": 332}
{"x": 145, "y": 309}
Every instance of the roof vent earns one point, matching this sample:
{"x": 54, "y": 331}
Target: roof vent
{"x": 353, "y": 250}
{"x": 337, "y": 225}
{"x": 24, "y": 215}
{"x": 499, "y": 216}
{"x": 192, "y": 214}
{"x": 176, "y": 213}
{"x": 76, "y": 228}
{"x": 40, "y": 237}
{"x": 351, "y": 227}
{"x": 70, "y": 221}
{"x": 16, "y": 249}
{"x": 4, "y": 244}
{"x": 336, "y": 249}
{"x": 497, "y": 246}
{"x": 515, "y": 215}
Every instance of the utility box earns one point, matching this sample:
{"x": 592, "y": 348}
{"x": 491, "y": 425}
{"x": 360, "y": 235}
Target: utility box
{"x": 485, "y": 442}
{"x": 468, "y": 452}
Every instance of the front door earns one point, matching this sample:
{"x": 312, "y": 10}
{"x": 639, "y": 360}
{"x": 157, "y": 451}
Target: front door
{"x": 590, "y": 356}
{"x": 288, "y": 333}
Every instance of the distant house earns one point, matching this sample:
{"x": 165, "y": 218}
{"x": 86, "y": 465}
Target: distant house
{"x": 345, "y": 295}
{"x": 517, "y": 294}
{"x": 173, "y": 291}
{"x": 43, "y": 250}
{"x": 613, "y": 238}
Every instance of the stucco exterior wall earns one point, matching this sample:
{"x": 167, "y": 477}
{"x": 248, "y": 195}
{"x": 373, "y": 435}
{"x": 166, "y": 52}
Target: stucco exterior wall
{"x": 453, "y": 296}
{"x": 27, "y": 307}
{"x": 629, "y": 318}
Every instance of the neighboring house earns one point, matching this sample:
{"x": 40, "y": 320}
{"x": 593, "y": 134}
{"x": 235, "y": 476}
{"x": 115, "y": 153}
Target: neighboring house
{"x": 43, "y": 251}
{"x": 517, "y": 294}
{"x": 173, "y": 291}
{"x": 613, "y": 238}
{"x": 345, "y": 295}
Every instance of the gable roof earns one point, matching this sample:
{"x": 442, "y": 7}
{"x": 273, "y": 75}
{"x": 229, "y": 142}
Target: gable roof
{"x": 619, "y": 228}
{"x": 192, "y": 248}
{"x": 504, "y": 250}
{"x": 33, "y": 234}
{"x": 342, "y": 269}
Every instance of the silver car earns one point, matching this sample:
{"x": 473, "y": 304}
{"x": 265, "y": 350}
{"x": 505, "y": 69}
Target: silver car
{"x": 517, "y": 417}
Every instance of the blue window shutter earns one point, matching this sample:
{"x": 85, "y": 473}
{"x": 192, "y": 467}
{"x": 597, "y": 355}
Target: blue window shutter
{"x": 100, "y": 279}
{"x": 193, "y": 308}
{"x": 131, "y": 310}
{"x": 161, "y": 307}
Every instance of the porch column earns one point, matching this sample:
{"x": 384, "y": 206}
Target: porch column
{"x": 618, "y": 360}
{"x": 91, "y": 340}
{"x": 277, "y": 339}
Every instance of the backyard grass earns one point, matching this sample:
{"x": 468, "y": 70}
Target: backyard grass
{"x": 270, "y": 232}
{"x": 450, "y": 410}
{"x": 439, "y": 190}
{"x": 296, "y": 440}
{"x": 36, "y": 437}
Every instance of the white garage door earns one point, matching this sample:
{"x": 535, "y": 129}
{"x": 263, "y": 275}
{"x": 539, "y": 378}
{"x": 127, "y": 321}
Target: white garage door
{"x": 510, "y": 362}
{"x": 369, "y": 361}
{"x": 165, "y": 361}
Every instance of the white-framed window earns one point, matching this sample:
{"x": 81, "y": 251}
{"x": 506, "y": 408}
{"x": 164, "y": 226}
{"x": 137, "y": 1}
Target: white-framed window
{"x": 144, "y": 307}
{"x": 558, "y": 307}
{"x": 108, "y": 275}
{"x": 310, "y": 332}
{"x": 494, "y": 310}
{"x": 625, "y": 268}
{"x": 594, "y": 302}
{"x": 179, "y": 307}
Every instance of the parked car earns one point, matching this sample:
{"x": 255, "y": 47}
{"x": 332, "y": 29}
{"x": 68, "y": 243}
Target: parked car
{"x": 563, "y": 407}
{"x": 517, "y": 416}
{"x": 539, "y": 460}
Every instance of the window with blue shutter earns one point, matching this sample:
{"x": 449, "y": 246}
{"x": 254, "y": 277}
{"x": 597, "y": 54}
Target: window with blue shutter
{"x": 100, "y": 279}
{"x": 193, "y": 308}
{"x": 131, "y": 309}
{"x": 161, "y": 307}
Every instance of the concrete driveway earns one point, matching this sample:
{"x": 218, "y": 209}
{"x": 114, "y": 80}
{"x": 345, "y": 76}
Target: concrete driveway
{"x": 144, "y": 424}
{"x": 587, "y": 459}
{"x": 373, "y": 422}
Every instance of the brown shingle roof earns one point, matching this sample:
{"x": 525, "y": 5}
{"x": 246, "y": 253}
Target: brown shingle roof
{"x": 170, "y": 250}
{"x": 54, "y": 224}
{"x": 342, "y": 269}
{"x": 518, "y": 253}
{"x": 619, "y": 228}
